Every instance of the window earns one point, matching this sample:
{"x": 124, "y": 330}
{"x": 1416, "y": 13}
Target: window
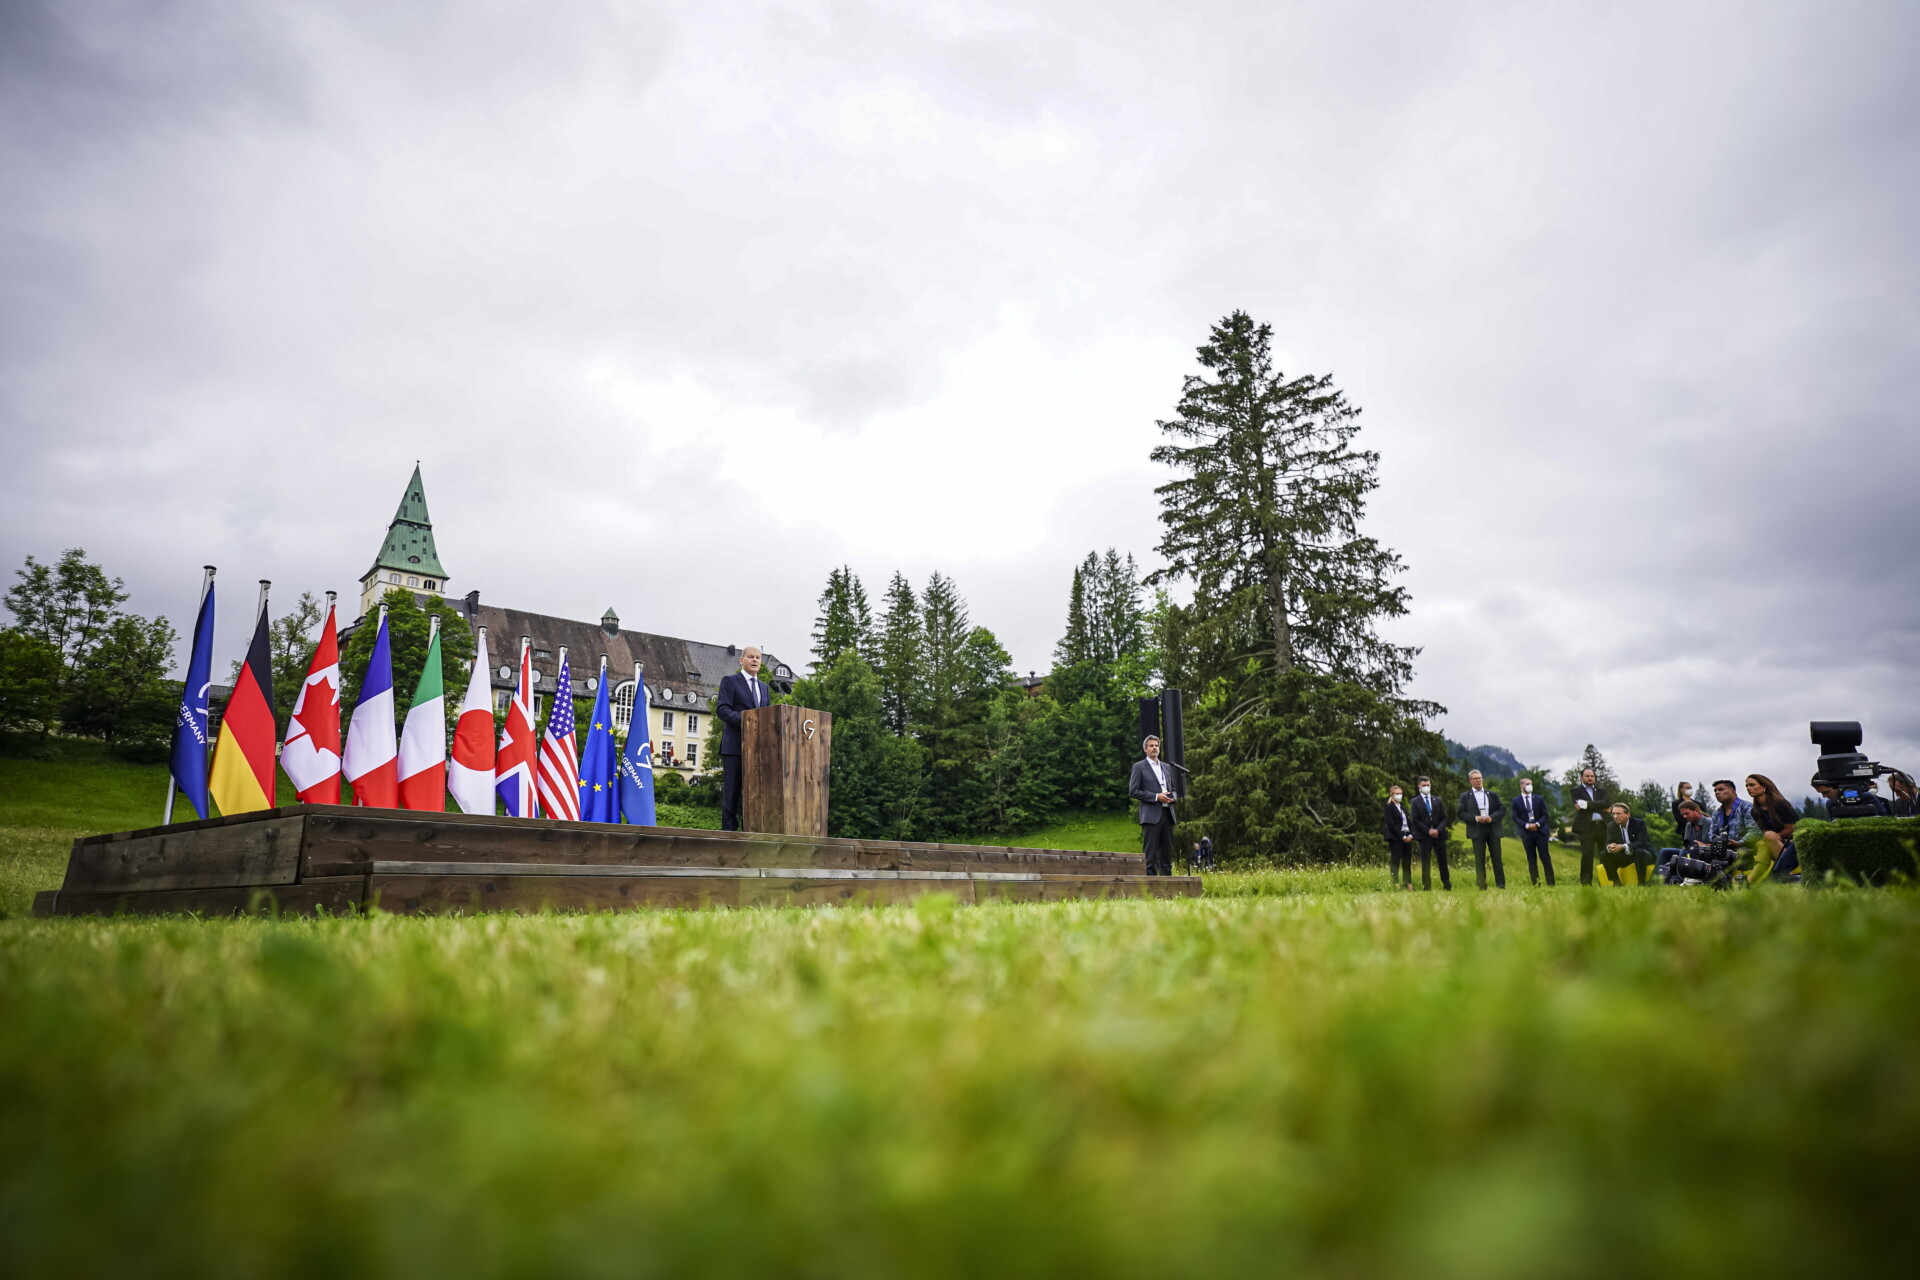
{"x": 666, "y": 722}
{"x": 623, "y": 705}
{"x": 428, "y": 583}
{"x": 693, "y": 725}
{"x": 412, "y": 581}
{"x": 666, "y": 751}
{"x": 542, "y": 655}
{"x": 693, "y": 753}
{"x": 501, "y": 697}
{"x": 394, "y": 578}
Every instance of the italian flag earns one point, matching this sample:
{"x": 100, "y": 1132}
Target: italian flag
{"x": 423, "y": 740}
{"x": 470, "y": 771}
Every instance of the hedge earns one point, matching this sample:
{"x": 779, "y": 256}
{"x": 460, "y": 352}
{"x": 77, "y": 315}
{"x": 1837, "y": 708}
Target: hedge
{"x": 1867, "y": 850}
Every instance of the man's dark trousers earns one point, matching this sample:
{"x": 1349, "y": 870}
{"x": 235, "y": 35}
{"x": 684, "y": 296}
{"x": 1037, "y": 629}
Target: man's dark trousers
{"x": 1486, "y": 840}
{"x": 1592, "y": 837}
{"x": 1538, "y": 859}
{"x": 730, "y": 793}
{"x": 1436, "y": 849}
{"x": 1156, "y": 842}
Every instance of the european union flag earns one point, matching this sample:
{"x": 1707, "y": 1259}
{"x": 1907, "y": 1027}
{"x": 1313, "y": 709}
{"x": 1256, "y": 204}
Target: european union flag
{"x": 636, "y": 765}
{"x": 188, "y": 759}
{"x": 598, "y": 778}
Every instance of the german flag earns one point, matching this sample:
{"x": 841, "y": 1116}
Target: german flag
{"x": 242, "y": 776}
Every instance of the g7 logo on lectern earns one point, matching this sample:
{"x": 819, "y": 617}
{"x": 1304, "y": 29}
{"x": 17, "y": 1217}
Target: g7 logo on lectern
{"x": 808, "y": 726}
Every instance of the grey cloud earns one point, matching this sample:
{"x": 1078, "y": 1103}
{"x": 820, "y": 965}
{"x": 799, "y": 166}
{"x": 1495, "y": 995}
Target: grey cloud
{"x": 1624, "y": 293}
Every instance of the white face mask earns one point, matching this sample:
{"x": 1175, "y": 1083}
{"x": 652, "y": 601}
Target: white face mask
{"x": 1426, "y": 790}
{"x": 1526, "y": 788}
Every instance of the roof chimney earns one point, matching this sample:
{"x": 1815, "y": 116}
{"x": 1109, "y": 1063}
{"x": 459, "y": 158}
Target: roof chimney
{"x": 610, "y": 622}
{"x": 473, "y": 605}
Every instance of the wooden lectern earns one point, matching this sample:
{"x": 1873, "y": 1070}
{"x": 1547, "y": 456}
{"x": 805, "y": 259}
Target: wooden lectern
{"x": 785, "y": 753}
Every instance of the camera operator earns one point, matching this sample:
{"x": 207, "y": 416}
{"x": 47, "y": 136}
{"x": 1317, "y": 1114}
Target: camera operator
{"x": 1696, "y": 835}
{"x": 1776, "y": 818}
{"x": 1868, "y": 795}
{"x": 1906, "y": 796}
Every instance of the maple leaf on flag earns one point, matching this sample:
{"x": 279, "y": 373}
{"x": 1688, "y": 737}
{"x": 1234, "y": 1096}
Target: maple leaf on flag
{"x": 318, "y": 719}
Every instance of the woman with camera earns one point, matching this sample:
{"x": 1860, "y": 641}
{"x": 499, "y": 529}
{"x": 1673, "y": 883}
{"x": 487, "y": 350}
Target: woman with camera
{"x": 1776, "y": 818}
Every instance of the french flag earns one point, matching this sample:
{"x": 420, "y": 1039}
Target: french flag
{"x": 513, "y": 763}
{"x": 372, "y": 757}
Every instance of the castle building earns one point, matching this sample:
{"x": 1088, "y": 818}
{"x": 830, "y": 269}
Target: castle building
{"x": 681, "y": 677}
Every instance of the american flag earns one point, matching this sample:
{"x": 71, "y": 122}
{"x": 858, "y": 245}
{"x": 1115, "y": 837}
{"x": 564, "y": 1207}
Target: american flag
{"x": 558, "y": 775}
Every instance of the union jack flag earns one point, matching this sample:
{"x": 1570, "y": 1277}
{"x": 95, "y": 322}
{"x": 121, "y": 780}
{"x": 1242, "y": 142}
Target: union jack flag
{"x": 558, "y": 775}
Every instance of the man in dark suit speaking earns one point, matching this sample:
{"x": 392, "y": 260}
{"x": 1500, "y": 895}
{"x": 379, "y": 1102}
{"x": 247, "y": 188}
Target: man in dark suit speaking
{"x": 1151, "y": 786}
{"x": 740, "y": 691}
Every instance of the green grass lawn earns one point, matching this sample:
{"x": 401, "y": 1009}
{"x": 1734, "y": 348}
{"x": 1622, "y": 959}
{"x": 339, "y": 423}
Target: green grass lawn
{"x": 1590, "y": 1083}
{"x": 1297, "y": 1074}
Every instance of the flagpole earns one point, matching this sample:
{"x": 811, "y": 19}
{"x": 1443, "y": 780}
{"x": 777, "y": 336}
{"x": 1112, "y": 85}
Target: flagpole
{"x": 640, "y": 697}
{"x": 206, "y": 585}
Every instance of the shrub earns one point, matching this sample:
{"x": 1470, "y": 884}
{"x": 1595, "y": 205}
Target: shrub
{"x": 1866, "y": 850}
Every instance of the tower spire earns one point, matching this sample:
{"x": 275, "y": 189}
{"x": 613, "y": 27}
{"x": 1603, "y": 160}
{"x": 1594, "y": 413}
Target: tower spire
{"x": 408, "y": 559}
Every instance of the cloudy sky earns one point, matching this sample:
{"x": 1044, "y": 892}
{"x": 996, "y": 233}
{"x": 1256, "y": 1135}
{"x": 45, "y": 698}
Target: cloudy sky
{"x": 679, "y": 306}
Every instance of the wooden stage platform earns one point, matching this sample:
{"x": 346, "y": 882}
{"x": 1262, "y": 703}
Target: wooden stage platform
{"x": 310, "y": 858}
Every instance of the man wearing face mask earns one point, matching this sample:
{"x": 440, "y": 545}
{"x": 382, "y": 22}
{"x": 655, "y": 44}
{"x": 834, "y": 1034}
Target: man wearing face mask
{"x": 1532, "y": 821}
{"x": 1397, "y": 826}
{"x": 1430, "y": 834}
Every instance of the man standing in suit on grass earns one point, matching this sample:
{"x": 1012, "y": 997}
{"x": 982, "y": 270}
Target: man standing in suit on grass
{"x": 1531, "y": 822}
{"x": 1151, "y": 786}
{"x": 1430, "y": 834}
{"x": 1482, "y": 811}
{"x": 741, "y": 691}
{"x": 1397, "y": 827}
{"x": 1589, "y": 823}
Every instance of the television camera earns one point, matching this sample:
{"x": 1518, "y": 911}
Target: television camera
{"x": 1715, "y": 867}
{"x": 1846, "y": 770}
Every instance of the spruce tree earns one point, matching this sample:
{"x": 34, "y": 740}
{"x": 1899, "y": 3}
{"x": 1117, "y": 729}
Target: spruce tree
{"x": 1075, "y": 646}
{"x": 899, "y": 653}
{"x": 944, "y": 626}
{"x": 1296, "y": 726}
{"x": 1605, "y": 780}
{"x": 1263, "y": 513}
{"x": 845, "y": 621}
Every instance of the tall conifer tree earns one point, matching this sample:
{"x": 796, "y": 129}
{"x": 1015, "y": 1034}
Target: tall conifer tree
{"x": 899, "y": 647}
{"x": 845, "y": 620}
{"x": 1263, "y": 513}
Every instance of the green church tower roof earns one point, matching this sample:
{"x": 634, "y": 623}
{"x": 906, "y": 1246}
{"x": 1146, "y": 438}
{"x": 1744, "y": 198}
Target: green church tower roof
{"x": 409, "y": 545}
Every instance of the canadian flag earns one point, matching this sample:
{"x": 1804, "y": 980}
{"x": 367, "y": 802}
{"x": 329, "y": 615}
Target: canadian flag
{"x": 470, "y": 771}
{"x": 311, "y": 756}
